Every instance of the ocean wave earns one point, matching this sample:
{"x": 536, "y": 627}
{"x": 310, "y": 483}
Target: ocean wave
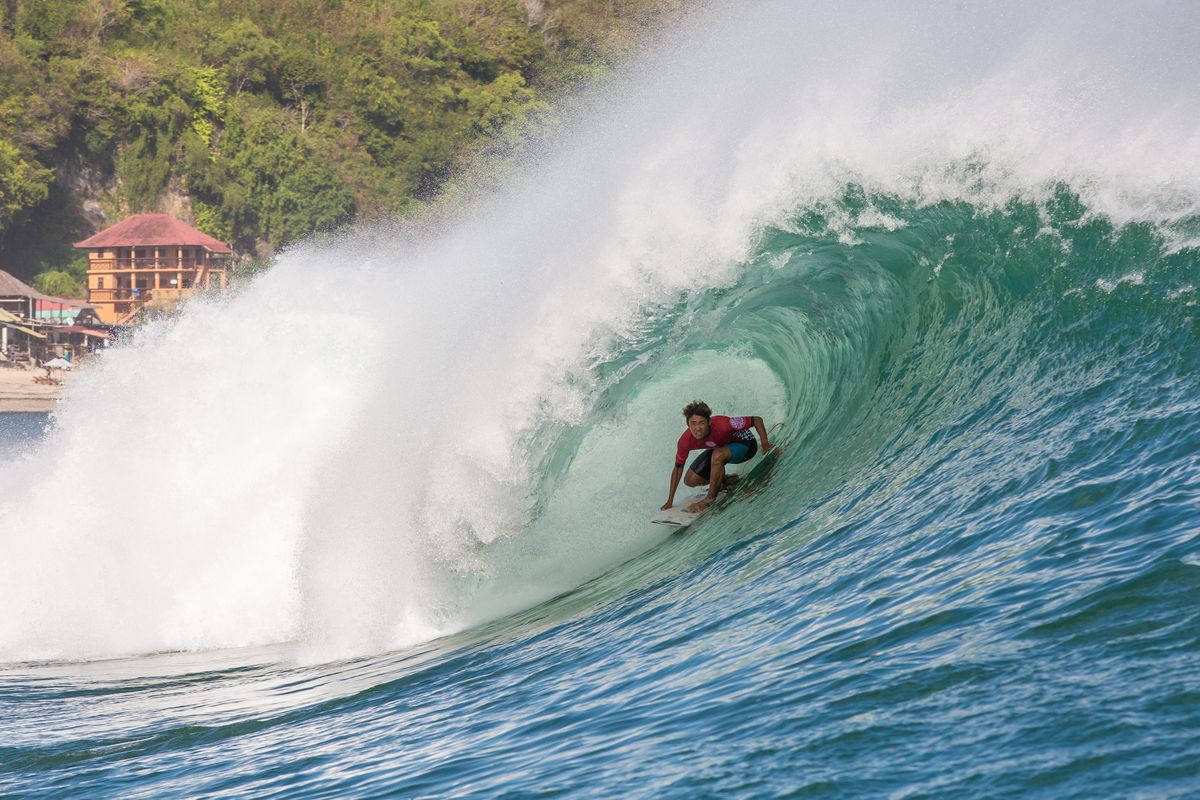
{"x": 897, "y": 235}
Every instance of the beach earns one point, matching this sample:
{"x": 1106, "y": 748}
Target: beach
{"x": 20, "y": 393}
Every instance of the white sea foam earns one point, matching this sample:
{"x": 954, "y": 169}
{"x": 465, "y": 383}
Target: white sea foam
{"x": 1132, "y": 279}
{"x": 341, "y": 455}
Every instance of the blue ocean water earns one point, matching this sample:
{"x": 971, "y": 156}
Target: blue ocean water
{"x": 973, "y": 569}
{"x": 20, "y": 429}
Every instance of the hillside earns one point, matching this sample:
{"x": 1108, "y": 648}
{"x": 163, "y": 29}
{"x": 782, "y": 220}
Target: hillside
{"x": 262, "y": 121}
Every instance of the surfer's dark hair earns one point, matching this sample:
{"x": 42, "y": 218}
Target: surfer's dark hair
{"x": 697, "y": 407}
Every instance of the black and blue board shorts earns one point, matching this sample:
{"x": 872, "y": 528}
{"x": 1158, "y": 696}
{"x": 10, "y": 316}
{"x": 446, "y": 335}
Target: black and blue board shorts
{"x": 742, "y": 448}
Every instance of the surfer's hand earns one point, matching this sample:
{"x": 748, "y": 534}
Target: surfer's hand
{"x": 665, "y": 506}
{"x": 699, "y": 506}
{"x": 767, "y": 448}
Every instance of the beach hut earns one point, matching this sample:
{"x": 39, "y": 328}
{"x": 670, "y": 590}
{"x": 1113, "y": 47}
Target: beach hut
{"x": 26, "y": 315}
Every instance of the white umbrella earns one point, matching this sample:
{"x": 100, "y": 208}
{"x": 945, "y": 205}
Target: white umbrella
{"x": 58, "y": 363}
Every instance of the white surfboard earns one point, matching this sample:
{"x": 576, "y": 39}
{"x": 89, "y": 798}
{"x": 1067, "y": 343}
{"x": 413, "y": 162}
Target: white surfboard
{"x": 677, "y": 516}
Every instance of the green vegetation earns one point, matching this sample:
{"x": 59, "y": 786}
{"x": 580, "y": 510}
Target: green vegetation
{"x": 270, "y": 119}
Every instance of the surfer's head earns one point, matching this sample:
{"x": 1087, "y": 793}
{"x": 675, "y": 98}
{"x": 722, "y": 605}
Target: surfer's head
{"x": 697, "y": 414}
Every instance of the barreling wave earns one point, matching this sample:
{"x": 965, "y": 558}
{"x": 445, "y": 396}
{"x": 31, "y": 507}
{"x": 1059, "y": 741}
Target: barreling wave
{"x": 938, "y": 256}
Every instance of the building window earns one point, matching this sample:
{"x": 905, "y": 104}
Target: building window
{"x": 99, "y": 283}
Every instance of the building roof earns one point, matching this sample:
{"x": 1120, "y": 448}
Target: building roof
{"x": 143, "y": 230}
{"x": 12, "y": 287}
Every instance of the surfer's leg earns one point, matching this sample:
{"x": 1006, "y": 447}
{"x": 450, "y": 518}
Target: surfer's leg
{"x": 697, "y": 474}
{"x": 740, "y": 452}
{"x": 743, "y": 449}
{"x": 720, "y": 457}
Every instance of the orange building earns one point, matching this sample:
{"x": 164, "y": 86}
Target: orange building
{"x": 151, "y": 260}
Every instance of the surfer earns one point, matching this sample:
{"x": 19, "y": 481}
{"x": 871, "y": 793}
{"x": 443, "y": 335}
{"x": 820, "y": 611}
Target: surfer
{"x": 725, "y": 440}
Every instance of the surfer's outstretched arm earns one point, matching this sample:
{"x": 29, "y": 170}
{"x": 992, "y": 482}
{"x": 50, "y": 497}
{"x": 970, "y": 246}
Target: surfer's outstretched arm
{"x": 761, "y": 429}
{"x": 676, "y": 474}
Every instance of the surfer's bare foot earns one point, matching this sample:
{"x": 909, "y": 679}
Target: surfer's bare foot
{"x": 729, "y": 483}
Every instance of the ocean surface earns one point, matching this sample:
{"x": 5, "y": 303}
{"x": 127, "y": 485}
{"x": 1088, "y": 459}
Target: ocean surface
{"x": 376, "y": 525}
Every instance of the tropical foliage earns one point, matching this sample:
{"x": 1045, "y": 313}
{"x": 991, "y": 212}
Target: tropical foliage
{"x": 264, "y": 120}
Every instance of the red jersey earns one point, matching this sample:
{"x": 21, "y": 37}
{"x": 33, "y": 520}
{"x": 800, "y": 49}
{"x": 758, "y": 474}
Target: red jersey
{"x": 721, "y": 431}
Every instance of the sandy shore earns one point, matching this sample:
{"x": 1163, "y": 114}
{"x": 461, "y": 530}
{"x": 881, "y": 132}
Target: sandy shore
{"x": 18, "y": 392}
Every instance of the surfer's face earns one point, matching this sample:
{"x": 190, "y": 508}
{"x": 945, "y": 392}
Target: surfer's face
{"x": 698, "y": 425}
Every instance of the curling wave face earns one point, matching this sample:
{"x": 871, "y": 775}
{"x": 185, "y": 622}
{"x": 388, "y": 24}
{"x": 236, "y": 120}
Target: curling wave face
{"x": 865, "y": 222}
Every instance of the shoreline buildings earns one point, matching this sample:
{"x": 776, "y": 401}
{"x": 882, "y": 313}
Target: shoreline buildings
{"x": 37, "y": 326}
{"x": 151, "y": 261}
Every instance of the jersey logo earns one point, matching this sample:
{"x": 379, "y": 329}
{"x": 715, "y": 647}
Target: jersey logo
{"x": 737, "y": 422}
{"x": 710, "y": 444}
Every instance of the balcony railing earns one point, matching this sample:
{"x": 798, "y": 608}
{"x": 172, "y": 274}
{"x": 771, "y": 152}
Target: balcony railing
{"x": 156, "y": 264}
{"x": 164, "y": 293}
{"x": 111, "y": 295}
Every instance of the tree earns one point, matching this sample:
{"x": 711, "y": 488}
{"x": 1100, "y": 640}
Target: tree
{"x": 246, "y": 54}
{"x": 58, "y": 283}
{"x": 311, "y": 198}
{"x": 22, "y": 184}
{"x": 300, "y": 79}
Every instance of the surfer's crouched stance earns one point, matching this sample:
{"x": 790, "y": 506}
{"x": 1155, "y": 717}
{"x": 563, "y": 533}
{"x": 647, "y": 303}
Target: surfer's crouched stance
{"x": 725, "y": 440}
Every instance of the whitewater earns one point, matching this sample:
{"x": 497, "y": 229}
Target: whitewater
{"x": 377, "y": 523}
